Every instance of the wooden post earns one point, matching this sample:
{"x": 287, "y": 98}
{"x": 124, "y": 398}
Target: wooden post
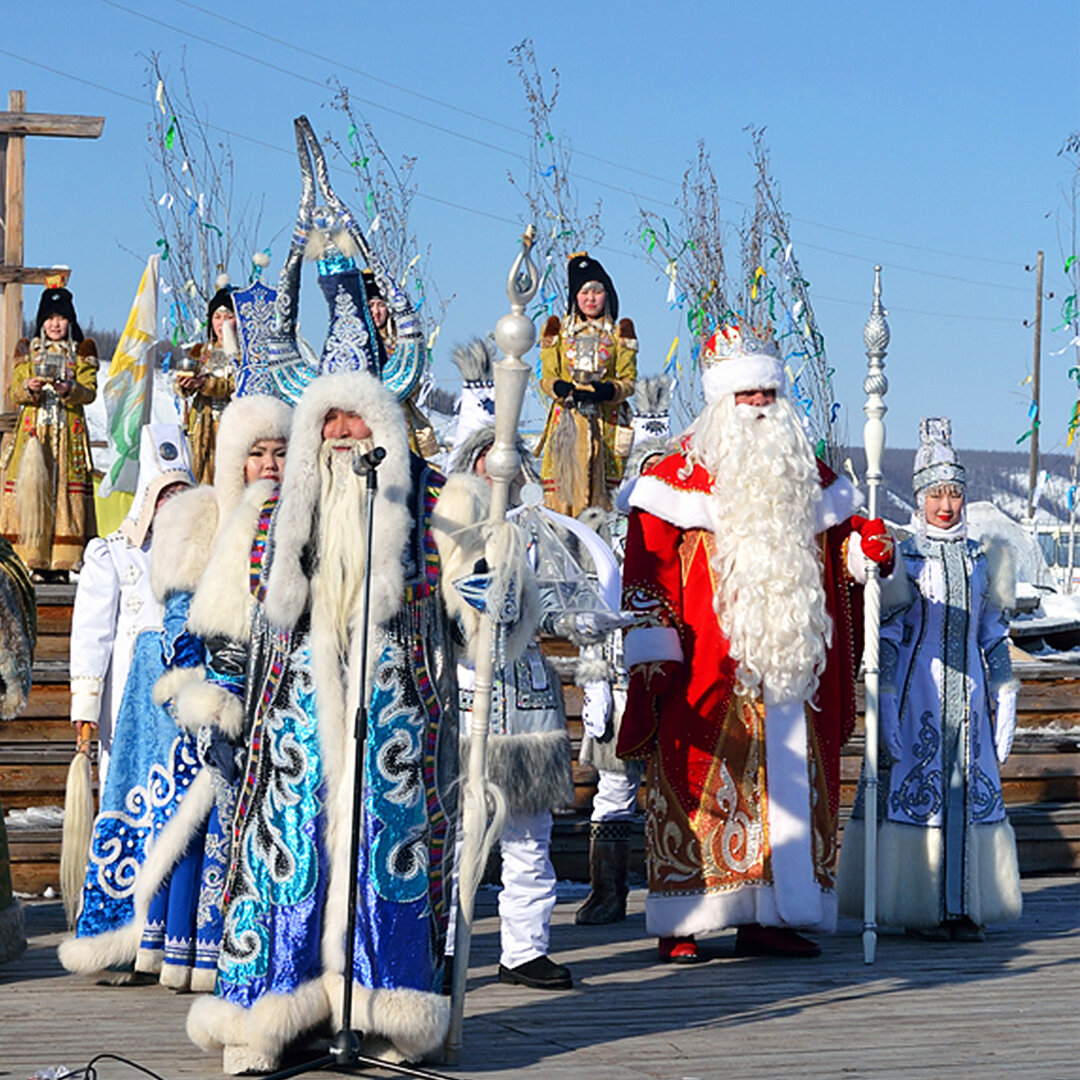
{"x": 14, "y": 184}
{"x": 15, "y": 125}
{"x": 1033, "y": 470}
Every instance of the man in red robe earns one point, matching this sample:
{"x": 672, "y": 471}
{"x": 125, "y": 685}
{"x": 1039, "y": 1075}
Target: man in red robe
{"x": 742, "y": 664}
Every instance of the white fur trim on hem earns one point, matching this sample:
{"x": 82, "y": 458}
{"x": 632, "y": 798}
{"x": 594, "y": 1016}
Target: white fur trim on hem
{"x": 414, "y": 1021}
{"x": 910, "y": 887}
{"x": 649, "y": 644}
{"x": 266, "y": 1029}
{"x": 680, "y": 916}
{"x": 170, "y": 684}
{"x": 739, "y": 374}
{"x": 87, "y": 955}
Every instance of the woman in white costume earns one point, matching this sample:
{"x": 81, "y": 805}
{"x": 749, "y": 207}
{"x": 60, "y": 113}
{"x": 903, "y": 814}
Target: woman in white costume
{"x": 947, "y": 854}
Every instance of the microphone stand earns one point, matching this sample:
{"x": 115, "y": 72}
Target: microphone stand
{"x": 345, "y": 1046}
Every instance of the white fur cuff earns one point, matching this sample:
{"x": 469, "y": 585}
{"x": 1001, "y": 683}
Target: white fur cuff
{"x": 199, "y": 703}
{"x": 648, "y": 644}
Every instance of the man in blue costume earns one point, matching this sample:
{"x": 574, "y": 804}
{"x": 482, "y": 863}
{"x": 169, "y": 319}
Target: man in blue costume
{"x": 283, "y": 954}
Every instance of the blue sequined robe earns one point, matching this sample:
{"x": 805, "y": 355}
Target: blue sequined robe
{"x": 284, "y": 907}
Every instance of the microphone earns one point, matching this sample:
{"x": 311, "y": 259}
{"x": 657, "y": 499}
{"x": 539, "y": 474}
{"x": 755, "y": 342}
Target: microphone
{"x": 365, "y": 463}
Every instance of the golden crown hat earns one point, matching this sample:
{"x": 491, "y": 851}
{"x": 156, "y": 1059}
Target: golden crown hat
{"x": 739, "y": 357}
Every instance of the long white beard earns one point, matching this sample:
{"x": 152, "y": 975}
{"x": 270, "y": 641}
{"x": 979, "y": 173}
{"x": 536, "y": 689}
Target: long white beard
{"x": 769, "y": 598}
{"x": 342, "y": 541}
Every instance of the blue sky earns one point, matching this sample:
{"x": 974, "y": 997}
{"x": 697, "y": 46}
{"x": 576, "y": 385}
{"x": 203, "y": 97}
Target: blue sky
{"x": 923, "y": 136}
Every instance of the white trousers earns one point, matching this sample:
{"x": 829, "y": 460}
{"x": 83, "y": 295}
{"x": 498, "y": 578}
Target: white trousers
{"x": 616, "y": 796}
{"x": 527, "y": 898}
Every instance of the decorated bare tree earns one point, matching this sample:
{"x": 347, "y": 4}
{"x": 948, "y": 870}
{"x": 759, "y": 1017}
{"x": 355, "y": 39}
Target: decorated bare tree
{"x": 204, "y": 230}
{"x": 546, "y": 186}
{"x": 696, "y": 256}
{"x": 386, "y": 192}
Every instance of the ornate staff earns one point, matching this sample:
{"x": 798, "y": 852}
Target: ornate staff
{"x": 875, "y": 385}
{"x": 483, "y": 805}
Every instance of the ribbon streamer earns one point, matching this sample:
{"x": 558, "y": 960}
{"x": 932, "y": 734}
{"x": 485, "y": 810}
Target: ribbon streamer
{"x": 164, "y": 245}
{"x": 170, "y": 135}
{"x": 159, "y": 97}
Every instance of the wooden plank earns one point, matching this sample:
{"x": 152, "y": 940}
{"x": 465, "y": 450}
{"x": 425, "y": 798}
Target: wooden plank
{"x": 46, "y": 700}
{"x": 27, "y": 275}
{"x": 13, "y": 212}
{"x": 52, "y": 125}
{"x": 50, "y": 729}
{"x": 629, "y": 1016}
{"x": 54, "y": 619}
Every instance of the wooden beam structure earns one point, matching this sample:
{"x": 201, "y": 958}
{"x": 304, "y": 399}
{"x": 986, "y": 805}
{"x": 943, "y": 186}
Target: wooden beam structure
{"x": 16, "y": 125}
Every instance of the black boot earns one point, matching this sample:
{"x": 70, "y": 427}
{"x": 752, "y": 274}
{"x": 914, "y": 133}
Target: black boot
{"x": 609, "y": 857}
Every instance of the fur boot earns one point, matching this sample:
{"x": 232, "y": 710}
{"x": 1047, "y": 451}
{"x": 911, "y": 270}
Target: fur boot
{"x": 609, "y": 858}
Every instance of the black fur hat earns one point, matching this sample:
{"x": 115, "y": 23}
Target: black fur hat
{"x": 371, "y": 286}
{"x": 222, "y": 298}
{"x": 580, "y": 271}
{"x": 58, "y": 301}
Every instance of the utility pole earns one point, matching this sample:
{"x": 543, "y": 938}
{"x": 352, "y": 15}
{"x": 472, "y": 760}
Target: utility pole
{"x": 15, "y": 125}
{"x": 1033, "y": 470}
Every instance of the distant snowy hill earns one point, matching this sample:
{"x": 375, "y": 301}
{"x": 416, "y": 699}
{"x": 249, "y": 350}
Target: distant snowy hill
{"x": 996, "y": 476}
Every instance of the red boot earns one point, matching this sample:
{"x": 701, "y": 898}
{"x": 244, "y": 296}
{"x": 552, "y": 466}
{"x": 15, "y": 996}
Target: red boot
{"x": 678, "y": 950}
{"x": 756, "y": 940}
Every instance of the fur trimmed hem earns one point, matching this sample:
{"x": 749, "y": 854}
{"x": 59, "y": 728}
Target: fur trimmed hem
{"x": 202, "y": 702}
{"x": 176, "y": 977}
{"x": 87, "y": 955}
{"x": 910, "y": 884}
{"x": 412, "y": 1021}
{"x": 203, "y": 980}
{"x": 679, "y": 916}
{"x": 532, "y": 770}
{"x": 264, "y": 1030}
{"x": 12, "y": 932}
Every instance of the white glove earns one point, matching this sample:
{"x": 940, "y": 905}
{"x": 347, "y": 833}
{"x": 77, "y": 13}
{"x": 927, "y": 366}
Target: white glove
{"x": 596, "y": 709}
{"x": 1005, "y": 720}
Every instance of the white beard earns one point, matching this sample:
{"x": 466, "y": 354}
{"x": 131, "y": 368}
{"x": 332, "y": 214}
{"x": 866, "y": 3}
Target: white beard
{"x": 342, "y": 541}
{"x": 769, "y": 598}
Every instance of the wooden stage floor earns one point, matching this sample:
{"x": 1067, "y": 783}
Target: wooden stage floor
{"x": 1007, "y": 1007}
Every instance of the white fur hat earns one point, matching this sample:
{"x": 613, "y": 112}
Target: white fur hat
{"x": 244, "y": 422}
{"x": 736, "y": 359}
{"x": 364, "y": 395}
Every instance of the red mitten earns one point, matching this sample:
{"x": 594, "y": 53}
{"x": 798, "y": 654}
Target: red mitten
{"x": 648, "y": 684}
{"x": 875, "y": 541}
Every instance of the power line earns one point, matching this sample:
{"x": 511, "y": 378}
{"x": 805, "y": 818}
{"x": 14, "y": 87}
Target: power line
{"x": 290, "y": 152}
{"x": 480, "y": 142}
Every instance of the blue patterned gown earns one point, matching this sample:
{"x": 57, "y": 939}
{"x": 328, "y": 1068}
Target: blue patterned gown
{"x": 154, "y": 765}
{"x": 946, "y": 847}
{"x": 277, "y": 938}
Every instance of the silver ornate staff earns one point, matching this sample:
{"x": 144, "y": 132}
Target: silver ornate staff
{"x": 483, "y": 805}
{"x": 875, "y": 385}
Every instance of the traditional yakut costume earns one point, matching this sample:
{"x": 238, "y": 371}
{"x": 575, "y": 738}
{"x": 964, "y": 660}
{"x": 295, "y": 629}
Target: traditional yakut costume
{"x": 114, "y": 602}
{"x": 159, "y": 852}
{"x": 528, "y": 747}
{"x": 47, "y": 505}
{"x": 18, "y": 632}
{"x": 603, "y": 678}
{"x": 946, "y": 851}
{"x": 212, "y": 385}
{"x": 588, "y": 368}
{"x": 280, "y": 971}
{"x": 742, "y": 663}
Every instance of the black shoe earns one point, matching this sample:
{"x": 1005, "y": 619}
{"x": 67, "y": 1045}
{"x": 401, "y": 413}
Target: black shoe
{"x": 541, "y": 974}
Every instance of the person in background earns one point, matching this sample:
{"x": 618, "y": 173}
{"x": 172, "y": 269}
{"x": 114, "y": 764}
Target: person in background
{"x": 114, "y": 601}
{"x": 588, "y": 367}
{"x": 47, "y": 505}
{"x": 210, "y": 388}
